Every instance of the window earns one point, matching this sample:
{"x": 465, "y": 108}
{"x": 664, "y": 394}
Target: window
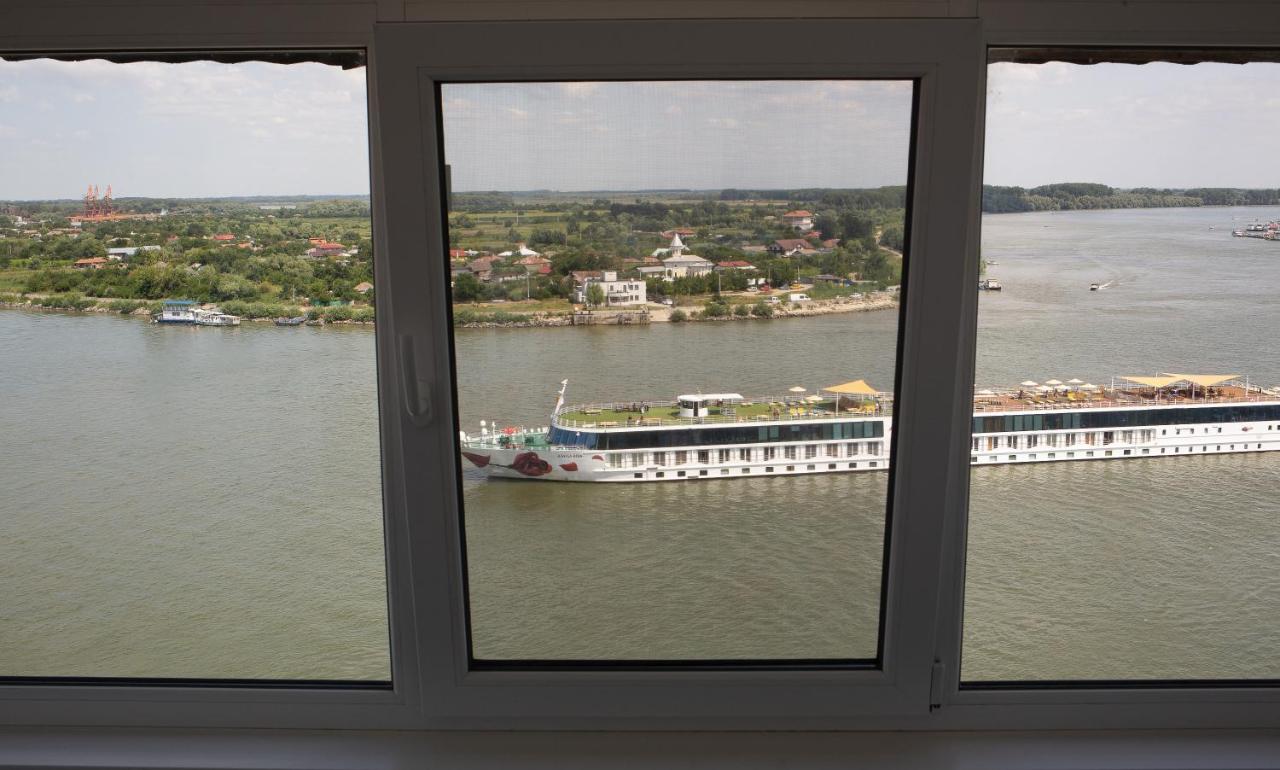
{"x": 1116, "y": 538}
{"x": 196, "y": 493}
{"x": 622, "y": 141}
{"x": 427, "y": 554}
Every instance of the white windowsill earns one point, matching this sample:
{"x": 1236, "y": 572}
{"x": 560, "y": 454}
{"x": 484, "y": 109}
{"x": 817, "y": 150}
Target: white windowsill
{"x": 563, "y": 751}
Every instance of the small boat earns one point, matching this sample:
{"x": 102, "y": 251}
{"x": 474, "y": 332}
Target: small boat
{"x": 215, "y": 317}
{"x": 176, "y": 311}
{"x": 989, "y": 284}
{"x": 295, "y": 321}
{"x": 1094, "y": 287}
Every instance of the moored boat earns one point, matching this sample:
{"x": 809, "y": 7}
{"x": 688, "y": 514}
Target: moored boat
{"x": 727, "y": 435}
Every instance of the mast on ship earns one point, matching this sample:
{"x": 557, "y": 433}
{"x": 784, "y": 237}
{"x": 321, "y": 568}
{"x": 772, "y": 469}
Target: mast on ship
{"x": 559, "y": 398}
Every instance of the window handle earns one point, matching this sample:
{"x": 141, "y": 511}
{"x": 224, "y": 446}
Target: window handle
{"x": 417, "y": 391}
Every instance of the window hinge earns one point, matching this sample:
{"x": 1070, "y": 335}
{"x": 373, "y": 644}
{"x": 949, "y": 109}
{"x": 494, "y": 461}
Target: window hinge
{"x": 935, "y": 685}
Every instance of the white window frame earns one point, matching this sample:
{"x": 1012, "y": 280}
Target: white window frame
{"x": 942, "y": 56}
{"x": 432, "y": 687}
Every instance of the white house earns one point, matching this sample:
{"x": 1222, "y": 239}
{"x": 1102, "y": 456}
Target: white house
{"x": 798, "y": 220}
{"x": 616, "y": 292}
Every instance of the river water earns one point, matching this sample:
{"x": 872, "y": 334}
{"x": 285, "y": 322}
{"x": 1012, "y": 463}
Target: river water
{"x": 204, "y": 502}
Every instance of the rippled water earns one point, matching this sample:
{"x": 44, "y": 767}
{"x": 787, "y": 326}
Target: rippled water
{"x": 204, "y": 502}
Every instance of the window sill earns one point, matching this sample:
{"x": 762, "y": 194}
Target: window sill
{"x": 467, "y": 750}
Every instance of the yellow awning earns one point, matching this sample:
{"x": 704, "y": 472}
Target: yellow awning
{"x": 1205, "y": 380}
{"x": 855, "y": 388}
{"x": 1154, "y": 382}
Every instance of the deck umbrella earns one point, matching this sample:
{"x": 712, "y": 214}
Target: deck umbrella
{"x": 1028, "y": 383}
{"x": 852, "y": 388}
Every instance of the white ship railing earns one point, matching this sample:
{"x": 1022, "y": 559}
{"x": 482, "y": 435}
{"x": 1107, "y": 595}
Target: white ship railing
{"x": 884, "y": 408}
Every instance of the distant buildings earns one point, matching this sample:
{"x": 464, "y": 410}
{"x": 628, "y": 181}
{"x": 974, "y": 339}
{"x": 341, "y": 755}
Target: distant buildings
{"x": 616, "y": 292}
{"x": 799, "y": 220}
{"x": 92, "y": 263}
{"x": 789, "y": 247}
{"x": 521, "y": 250}
{"x": 322, "y": 248}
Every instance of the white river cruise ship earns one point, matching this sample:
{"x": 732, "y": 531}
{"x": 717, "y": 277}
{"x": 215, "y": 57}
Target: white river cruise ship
{"x": 847, "y": 428}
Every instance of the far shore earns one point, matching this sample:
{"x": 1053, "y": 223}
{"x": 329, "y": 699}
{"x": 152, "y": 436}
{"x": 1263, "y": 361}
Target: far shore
{"x": 505, "y": 316}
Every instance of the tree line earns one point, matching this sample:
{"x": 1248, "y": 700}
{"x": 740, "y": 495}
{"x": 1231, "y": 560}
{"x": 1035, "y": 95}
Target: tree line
{"x": 1070, "y": 196}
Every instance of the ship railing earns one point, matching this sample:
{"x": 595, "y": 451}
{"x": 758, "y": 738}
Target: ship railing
{"x": 884, "y": 408}
{"x": 493, "y": 438}
{"x": 1010, "y": 403}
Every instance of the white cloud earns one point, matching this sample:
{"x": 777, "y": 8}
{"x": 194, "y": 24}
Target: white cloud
{"x": 9, "y": 94}
{"x": 581, "y": 89}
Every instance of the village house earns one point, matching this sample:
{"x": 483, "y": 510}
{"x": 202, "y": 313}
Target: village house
{"x": 534, "y": 264}
{"x": 323, "y": 248}
{"x": 616, "y": 291}
{"x": 482, "y": 267}
{"x": 790, "y": 247}
{"x": 92, "y": 263}
{"x": 120, "y": 253}
{"x": 223, "y": 238}
{"x": 364, "y": 287}
{"x": 683, "y": 232}
{"x": 736, "y": 264}
{"x": 798, "y": 220}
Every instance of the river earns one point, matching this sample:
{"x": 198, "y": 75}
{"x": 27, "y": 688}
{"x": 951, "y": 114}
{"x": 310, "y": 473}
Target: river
{"x": 204, "y": 502}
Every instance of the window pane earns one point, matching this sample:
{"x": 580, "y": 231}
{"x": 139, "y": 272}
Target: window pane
{"x": 1135, "y": 308}
{"x": 693, "y": 265}
{"x": 198, "y": 497}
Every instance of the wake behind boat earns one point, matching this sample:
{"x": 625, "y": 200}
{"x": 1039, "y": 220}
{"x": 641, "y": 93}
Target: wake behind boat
{"x": 848, "y": 427}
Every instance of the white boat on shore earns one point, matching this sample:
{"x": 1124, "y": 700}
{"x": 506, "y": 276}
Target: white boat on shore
{"x": 215, "y": 317}
{"x": 185, "y": 311}
{"x": 724, "y": 435}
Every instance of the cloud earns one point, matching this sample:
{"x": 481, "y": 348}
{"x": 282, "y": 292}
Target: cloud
{"x": 516, "y": 112}
{"x": 581, "y": 89}
{"x": 9, "y": 94}
{"x": 7, "y": 132}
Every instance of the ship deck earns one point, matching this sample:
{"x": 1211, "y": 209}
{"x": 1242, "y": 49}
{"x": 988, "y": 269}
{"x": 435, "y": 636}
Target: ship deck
{"x": 667, "y": 413}
{"x": 1012, "y": 401}
{"x": 786, "y": 409}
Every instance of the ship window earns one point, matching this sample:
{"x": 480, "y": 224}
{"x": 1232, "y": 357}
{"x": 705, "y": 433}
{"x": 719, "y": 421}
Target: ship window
{"x": 499, "y": 141}
{"x": 223, "y": 477}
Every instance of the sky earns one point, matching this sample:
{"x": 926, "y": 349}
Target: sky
{"x": 677, "y": 134}
{"x": 181, "y": 130}
{"x": 1150, "y": 125}
{"x": 209, "y": 129}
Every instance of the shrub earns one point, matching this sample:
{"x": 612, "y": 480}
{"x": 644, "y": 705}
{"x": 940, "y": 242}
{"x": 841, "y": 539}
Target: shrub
{"x": 715, "y": 310}
{"x": 762, "y": 310}
{"x": 125, "y": 306}
{"x": 337, "y": 314}
{"x": 68, "y": 301}
{"x": 678, "y": 315}
{"x": 363, "y": 314}
{"x": 741, "y": 311}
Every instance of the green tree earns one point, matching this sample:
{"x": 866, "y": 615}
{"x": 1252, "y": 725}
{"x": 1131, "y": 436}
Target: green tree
{"x": 466, "y": 288}
{"x": 595, "y": 295}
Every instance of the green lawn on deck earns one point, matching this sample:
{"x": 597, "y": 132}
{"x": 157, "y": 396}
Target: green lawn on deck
{"x": 750, "y": 412}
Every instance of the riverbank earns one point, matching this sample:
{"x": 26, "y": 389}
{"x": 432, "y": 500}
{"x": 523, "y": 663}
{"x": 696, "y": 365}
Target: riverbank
{"x": 252, "y": 312}
{"x": 471, "y": 318}
{"x": 467, "y": 317}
